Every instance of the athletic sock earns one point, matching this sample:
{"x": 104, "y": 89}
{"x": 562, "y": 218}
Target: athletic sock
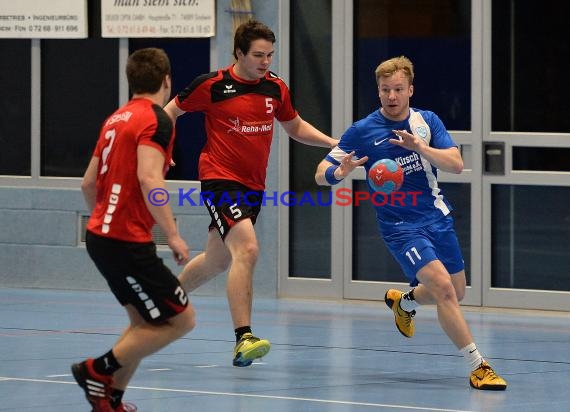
{"x": 241, "y": 331}
{"x": 472, "y": 355}
{"x": 106, "y": 364}
{"x": 408, "y": 302}
{"x": 116, "y": 398}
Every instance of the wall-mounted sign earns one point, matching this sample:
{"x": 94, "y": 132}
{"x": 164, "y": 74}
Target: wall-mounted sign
{"x": 53, "y": 19}
{"x": 158, "y": 18}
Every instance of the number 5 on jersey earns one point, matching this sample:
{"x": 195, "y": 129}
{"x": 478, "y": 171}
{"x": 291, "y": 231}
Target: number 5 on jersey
{"x": 236, "y": 212}
{"x": 269, "y": 105}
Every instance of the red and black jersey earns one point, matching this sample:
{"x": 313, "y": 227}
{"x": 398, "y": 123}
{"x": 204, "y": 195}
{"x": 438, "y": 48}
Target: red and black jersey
{"x": 120, "y": 212}
{"x": 239, "y": 123}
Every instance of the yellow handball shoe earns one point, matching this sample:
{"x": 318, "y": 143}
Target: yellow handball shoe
{"x": 403, "y": 319}
{"x": 250, "y": 348}
{"x": 485, "y": 378}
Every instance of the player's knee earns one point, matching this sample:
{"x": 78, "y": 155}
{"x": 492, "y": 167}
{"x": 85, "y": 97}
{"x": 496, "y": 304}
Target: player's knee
{"x": 460, "y": 294}
{"x": 448, "y": 292}
{"x": 220, "y": 265}
{"x": 443, "y": 291}
{"x": 248, "y": 253}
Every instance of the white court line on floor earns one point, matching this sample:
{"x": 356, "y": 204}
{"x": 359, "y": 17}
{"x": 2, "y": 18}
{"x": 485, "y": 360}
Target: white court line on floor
{"x": 250, "y": 395}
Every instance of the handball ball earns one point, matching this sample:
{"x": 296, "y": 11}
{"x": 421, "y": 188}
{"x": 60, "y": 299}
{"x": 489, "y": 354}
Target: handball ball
{"x": 385, "y": 176}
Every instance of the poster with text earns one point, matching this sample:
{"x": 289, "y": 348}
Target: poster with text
{"x": 158, "y": 18}
{"x": 53, "y": 19}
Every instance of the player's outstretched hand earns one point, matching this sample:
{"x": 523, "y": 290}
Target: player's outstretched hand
{"x": 349, "y": 163}
{"x": 407, "y": 140}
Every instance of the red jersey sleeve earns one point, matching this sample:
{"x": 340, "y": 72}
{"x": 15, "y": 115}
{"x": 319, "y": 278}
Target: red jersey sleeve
{"x": 285, "y": 111}
{"x": 158, "y": 134}
{"x": 196, "y": 96}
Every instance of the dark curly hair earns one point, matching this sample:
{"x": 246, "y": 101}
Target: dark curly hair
{"x": 248, "y": 32}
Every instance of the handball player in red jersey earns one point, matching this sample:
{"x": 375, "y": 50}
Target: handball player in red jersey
{"x": 240, "y": 103}
{"x": 130, "y": 159}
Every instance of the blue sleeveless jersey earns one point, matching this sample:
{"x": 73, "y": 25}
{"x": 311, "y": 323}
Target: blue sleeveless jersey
{"x": 419, "y": 202}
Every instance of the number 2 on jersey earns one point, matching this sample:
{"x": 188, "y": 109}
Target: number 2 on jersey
{"x": 109, "y": 135}
{"x": 182, "y": 297}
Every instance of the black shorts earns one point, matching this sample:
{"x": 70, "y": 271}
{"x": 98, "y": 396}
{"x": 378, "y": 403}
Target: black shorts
{"x": 137, "y": 276}
{"x": 228, "y": 202}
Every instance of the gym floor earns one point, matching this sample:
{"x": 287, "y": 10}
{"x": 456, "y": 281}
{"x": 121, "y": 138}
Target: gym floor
{"x": 326, "y": 356}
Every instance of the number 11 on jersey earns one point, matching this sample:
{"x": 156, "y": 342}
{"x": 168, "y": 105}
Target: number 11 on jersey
{"x": 415, "y": 253}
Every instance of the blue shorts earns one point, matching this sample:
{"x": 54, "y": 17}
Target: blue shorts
{"x": 415, "y": 248}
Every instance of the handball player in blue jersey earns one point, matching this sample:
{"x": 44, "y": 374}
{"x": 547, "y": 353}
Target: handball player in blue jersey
{"x": 418, "y": 230}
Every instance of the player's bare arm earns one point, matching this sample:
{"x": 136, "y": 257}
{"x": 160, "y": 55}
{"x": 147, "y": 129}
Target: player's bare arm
{"x": 172, "y": 110}
{"x": 88, "y": 184}
{"x": 149, "y": 172}
{"x": 306, "y": 133}
{"x": 448, "y": 160}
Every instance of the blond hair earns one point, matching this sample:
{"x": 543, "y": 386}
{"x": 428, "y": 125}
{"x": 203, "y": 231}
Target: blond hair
{"x": 388, "y": 67}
